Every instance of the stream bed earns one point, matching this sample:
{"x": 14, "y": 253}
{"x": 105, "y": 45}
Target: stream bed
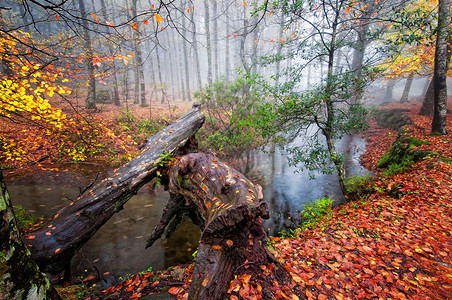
{"x": 117, "y": 249}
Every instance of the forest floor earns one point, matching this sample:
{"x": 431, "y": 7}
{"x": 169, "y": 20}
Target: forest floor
{"x": 393, "y": 242}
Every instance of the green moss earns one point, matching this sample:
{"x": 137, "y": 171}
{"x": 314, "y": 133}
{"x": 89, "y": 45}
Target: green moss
{"x": 401, "y": 155}
{"x": 446, "y": 160}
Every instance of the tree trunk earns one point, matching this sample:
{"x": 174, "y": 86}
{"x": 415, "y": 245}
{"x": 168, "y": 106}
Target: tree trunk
{"x": 208, "y": 46}
{"x": 91, "y": 97}
{"x": 140, "y": 86}
{"x": 389, "y": 89}
{"x": 233, "y": 241}
{"x": 159, "y": 69}
{"x": 116, "y": 99}
{"x": 429, "y": 99}
{"x": 53, "y": 246}
{"x": 195, "y": 49}
{"x": 215, "y": 40}
{"x": 187, "y": 73}
{"x": 440, "y": 70}
{"x": 171, "y": 67}
{"x": 407, "y": 88}
{"x": 20, "y": 276}
{"x": 227, "y": 58}
{"x": 280, "y": 46}
{"x": 181, "y": 77}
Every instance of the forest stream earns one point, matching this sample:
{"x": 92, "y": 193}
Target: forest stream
{"x": 117, "y": 249}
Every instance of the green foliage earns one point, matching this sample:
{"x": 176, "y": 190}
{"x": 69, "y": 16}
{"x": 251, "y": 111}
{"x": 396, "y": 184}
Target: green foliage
{"x": 312, "y": 212}
{"x": 359, "y": 185}
{"x": 290, "y": 233}
{"x": 128, "y": 122}
{"x": 24, "y": 219}
{"x": 146, "y": 271}
{"x": 228, "y": 107}
{"x": 294, "y": 114}
{"x": 166, "y": 158}
{"x": 194, "y": 254}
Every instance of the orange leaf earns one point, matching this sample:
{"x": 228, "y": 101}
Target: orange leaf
{"x": 245, "y": 3}
{"x": 158, "y": 18}
{"x": 95, "y": 18}
{"x": 57, "y": 17}
{"x": 145, "y": 22}
{"x": 229, "y": 243}
{"x": 109, "y": 24}
{"x": 188, "y": 10}
{"x": 174, "y": 290}
{"x": 57, "y": 250}
{"x": 134, "y": 26}
{"x": 216, "y": 247}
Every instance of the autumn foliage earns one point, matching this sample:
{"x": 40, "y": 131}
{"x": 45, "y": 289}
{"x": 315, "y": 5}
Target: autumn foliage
{"x": 393, "y": 243}
{"x": 36, "y": 123}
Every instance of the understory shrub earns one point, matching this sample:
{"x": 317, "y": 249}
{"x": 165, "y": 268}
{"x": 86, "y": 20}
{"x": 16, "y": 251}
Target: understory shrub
{"x": 228, "y": 105}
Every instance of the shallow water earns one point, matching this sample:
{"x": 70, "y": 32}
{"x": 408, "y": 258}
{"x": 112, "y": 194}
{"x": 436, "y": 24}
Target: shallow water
{"x": 117, "y": 249}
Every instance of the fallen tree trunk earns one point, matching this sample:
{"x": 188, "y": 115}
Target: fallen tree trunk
{"x": 52, "y": 247}
{"x": 233, "y": 241}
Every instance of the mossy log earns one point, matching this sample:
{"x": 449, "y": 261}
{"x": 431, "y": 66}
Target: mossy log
{"x": 401, "y": 153}
{"x": 233, "y": 240}
{"x": 53, "y": 246}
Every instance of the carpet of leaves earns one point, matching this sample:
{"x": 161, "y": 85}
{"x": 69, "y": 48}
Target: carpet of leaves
{"x": 394, "y": 244}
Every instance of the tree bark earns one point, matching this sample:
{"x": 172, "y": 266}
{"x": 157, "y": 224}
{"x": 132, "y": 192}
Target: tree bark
{"x": 91, "y": 97}
{"x": 407, "y": 88}
{"x": 208, "y": 44}
{"x": 227, "y": 55}
{"x": 233, "y": 241}
{"x": 53, "y": 246}
{"x": 440, "y": 70}
{"x": 195, "y": 50}
{"x": 215, "y": 41}
{"x": 116, "y": 99}
{"x": 20, "y": 276}
{"x": 187, "y": 73}
{"x": 389, "y": 90}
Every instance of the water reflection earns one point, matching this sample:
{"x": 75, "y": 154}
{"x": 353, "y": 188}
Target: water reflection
{"x": 117, "y": 249}
{"x": 287, "y": 191}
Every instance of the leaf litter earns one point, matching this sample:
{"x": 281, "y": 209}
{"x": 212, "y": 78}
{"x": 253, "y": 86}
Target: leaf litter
{"x": 385, "y": 245}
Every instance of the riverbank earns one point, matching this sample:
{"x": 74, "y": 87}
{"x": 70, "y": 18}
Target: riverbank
{"x": 394, "y": 242}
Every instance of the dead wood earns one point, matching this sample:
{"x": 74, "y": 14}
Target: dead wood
{"x": 233, "y": 240}
{"x": 53, "y": 246}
